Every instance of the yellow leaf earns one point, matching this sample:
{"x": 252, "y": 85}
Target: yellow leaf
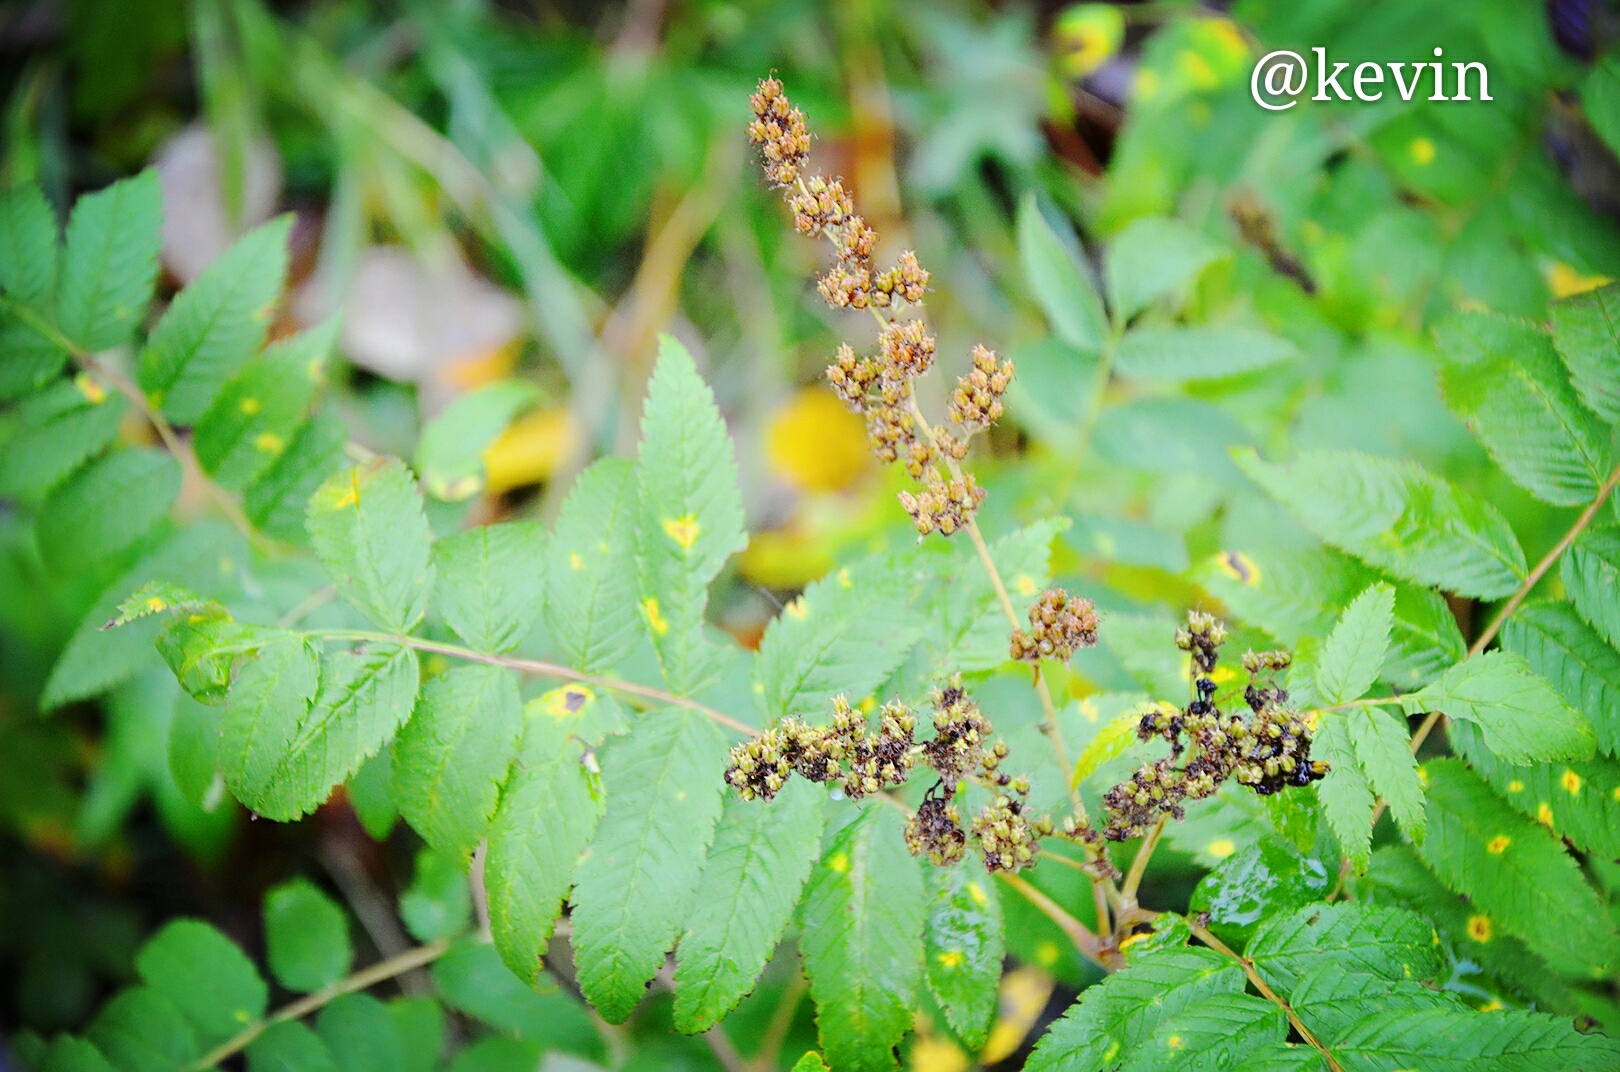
{"x": 529, "y": 450}
{"x": 817, "y": 444}
{"x": 1024, "y": 993}
{"x": 1112, "y": 740}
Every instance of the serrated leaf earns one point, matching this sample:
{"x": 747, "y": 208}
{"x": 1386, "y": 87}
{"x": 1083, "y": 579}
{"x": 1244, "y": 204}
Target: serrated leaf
{"x": 368, "y": 530}
{"x": 1398, "y": 516}
{"x": 201, "y": 648}
{"x": 1503, "y": 378}
{"x": 109, "y": 262}
{"x": 1112, "y": 1018}
{"x": 1523, "y": 717}
{"x": 1457, "y": 1040}
{"x": 29, "y": 360}
{"x": 69, "y": 1054}
{"x": 306, "y": 937}
{"x": 1587, "y": 337}
{"x": 1383, "y": 749}
{"x": 1198, "y": 353}
{"x": 60, "y": 428}
{"x": 275, "y": 502}
{"x": 207, "y": 557}
{"x": 491, "y": 583}
{"x": 452, "y": 757}
{"x": 590, "y": 603}
{"x": 1591, "y": 575}
{"x": 548, "y": 813}
{"x": 289, "y": 1047}
{"x": 159, "y": 597}
{"x": 450, "y": 453}
{"x": 637, "y": 886}
{"x": 843, "y": 636}
{"x": 285, "y": 746}
{"x": 140, "y": 1029}
{"x": 1110, "y": 742}
{"x": 371, "y": 795}
{"x": 1585, "y": 670}
{"x": 361, "y": 1034}
{"x": 1154, "y": 257}
{"x": 215, "y": 325}
{"x": 1211, "y": 1034}
{"x": 590, "y": 716}
{"x": 1353, "y": 653}
{"x": 1259, "y": 882}
{"x": 1060, "y": 285}
{"x": 1330, "y": 999}
{"x": 861, "y": 935}
{"x": 259, "y": 410}
{"x": 207, "y": 977}
{"x": 1346, "y": 798}
{"x": 193, "y": 753}
{"x": 1576, "y": 800}
{"x": 690, "y": 517}
{"x": 963, "y": 944}
{"x": 28, "y": 247}
{"x": 758, "y": 863}
{"x": 106, "y": 507}
{"x": 1390, "y": 943}
{"x": 1514, "y": 870}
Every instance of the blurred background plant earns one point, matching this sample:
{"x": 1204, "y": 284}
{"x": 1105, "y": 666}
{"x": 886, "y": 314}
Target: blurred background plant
{"x": 505, "y": 202}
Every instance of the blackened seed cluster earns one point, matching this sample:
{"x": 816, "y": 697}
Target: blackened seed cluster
{"x": 1059, "y": 625}
{"x": 1268, "y": 751}
{"x": 880, "y": 386}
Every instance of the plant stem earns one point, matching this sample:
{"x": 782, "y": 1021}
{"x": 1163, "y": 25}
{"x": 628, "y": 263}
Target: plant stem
{"x": 360, "y": 980}
{"x": 1133, "y": 879}
{"x": 1089, "y": 945}
{"x": 770, "y": 1046}
{"x": 541, "y": 669}
{"x": 1266, "y": 992}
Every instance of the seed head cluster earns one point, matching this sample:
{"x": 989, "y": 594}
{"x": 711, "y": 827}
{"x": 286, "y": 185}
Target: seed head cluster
{"x": 1059, "y": 625}
{"x": 880, "y": 386}
{"x": 1268, "y": 751}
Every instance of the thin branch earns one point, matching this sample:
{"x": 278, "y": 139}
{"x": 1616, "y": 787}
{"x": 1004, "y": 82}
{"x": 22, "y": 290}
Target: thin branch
{"x": 1089, "y": 945}
{"x": 1266, "y": 992}
{"x": 1133, "y": 879}
{"x": 360, "y": 980}
{"x": 770, "y": 1046}
{"x": 541, "y": 669}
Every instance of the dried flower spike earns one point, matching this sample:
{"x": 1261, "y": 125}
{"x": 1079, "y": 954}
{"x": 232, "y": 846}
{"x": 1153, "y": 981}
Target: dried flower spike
{"x": 1059, "y": 625}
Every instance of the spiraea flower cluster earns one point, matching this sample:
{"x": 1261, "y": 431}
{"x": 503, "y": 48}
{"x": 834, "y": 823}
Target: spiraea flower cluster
{"x": 1267, "y": 751}
{"x": 843, "y": 754}
{"x": 1059, "y": 625}
{"x": 880, "y": 386}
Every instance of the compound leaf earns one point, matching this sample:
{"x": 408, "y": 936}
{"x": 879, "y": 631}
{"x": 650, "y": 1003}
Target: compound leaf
{"x": 1523, "y": 717}
{"x": 1210, "y": 1035}
{"x": 28, "y": 247}
{"x": 260, "y": 409}
{"x": 1383, "y": 749}
{"x": 1346, "y": 798}
{"x": 1388, "y": 942}
{"x": 106, "y": 507}
{"x": 1353, "y": 653}
{"x": 1585, "y": 670}
{"x": 1198, "y": 353}
{"x": 1154, "y": 257}
{"x": 276, "y": 502}
{"x": 591, "y": 568}
{"x": 60, "y": 428}
{"x": 109, "y": 262}
{"x": 1591, "y": 575}
{"x": 289, "y": 1047}
{"x": 1586, "y": 335}
{"x": 491, "y": 582}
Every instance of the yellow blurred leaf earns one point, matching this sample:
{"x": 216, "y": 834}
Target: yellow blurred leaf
{"x": 1087, "y": 36}
{"x": 1112, "y": 740}
{"x": 528, "y": 451}
{"x": 785, "y": 558}
{"x": 816, "y": 443}
{"x": 1024, "y": 993}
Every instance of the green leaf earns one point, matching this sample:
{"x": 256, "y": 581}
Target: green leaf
{"x": 1397, "y": 516}
{"x": 275, "y": 502}
{"x": 1523, "y": 717}
{"x": 1110, "y": 742}
{"x": 285, "y": 746}
{"x": 193, "y": 753}
{"x": 1346, "y": 798}
{"x": 289, "y": 1047}
{"x": 215, "y": 325}
{"x": 60, "y": 428}
{"x": 1353, "y": 653}
{"x": 1330, "y": 999}
{"x": 450, "y": 454}
{"x": 140, "y": 1029}
{"x": 202, "y": 647}
{"x": 810, "y": 1062}
{"x": 106, "y": 507}
{"x": 371, "y": 795}
{"x": 1459, "y": 1040}
{"x": 843, "y": 636}
{"x": 640, "y": 881}
{"x": 1198, "y": 353}
{"x": 1585, "y": 333}
{"x": 590, "y": 602}
{"x": 1172, "y": 435}
{"x": 1114, "y": 1017}
{"x": 109, "y": 262}
{"x": 963, "y": 944}
{"x": 548, "y": 812}
{"x": 438, "y": 903}
{"x": 361, "y": 1034}
{"x": 28, "y": 247}
{"x": 451, "y": 758}
{"x": 758, "y": 863}
{"x": 1591, "y": 575}
{"x": 1503, "y": 378}
{"x": 367, "y": 527}
{"x": 69, "y": 1054}
{"x": 491, "y": 583}
{"x": 207, "y": 977}
{"x": 28, "y": 359}
{"x": 1383, "y": 750}
{"x": 1061, "y": 286}
{"x": 1210, "y": 1035}
{"x": 861, "y": 935}
{"x": 260, "y": 409}
{"x": 1585, "y": 670}
{"x": 306, "y": 937}
{"x": 973, "y": 623}
{"x": 472, "y": 980}
{"x": 1576, "y": 800}
{"x": 691, "y": 517}
{"x": 421, "y": 1027}
{"x": 1514, "y": 870}
{"x": 1256, "y": 883}
{"x": 1152, "y": 258}
{"x": 1388, "y": 942}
